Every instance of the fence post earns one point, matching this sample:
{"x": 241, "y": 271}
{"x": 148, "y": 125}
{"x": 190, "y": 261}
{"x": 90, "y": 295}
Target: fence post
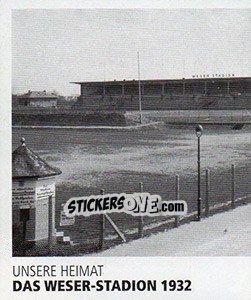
{"x": 102, "y": 225}
{"x": 50, "y": 220}
{"x": 177, "y": 197}
{"x": 207, "y": 192}
{"x": 141, "y": 221}
{"x": 233, "y": 186}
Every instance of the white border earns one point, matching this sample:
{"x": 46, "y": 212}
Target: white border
{"x": 214, "y": 278}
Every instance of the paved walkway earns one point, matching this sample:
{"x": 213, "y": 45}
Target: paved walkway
{"x": 129, "y": 127}
{"x": 224, "y": 234}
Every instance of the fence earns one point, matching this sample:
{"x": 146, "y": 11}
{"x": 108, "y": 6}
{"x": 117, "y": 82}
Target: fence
{"x": 209, "y": 206}
{"x": 219, "y": 192}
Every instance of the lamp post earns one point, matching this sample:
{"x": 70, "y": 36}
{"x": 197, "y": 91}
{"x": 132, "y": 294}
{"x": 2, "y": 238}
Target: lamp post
{"x": 199, "y": 131}
{"x": 140, "y": 105}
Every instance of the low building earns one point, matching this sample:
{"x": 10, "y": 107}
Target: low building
{"x": 38, "y": 99}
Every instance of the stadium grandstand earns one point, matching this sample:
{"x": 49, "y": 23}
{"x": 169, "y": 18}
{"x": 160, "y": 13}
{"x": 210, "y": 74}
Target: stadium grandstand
{"x": 167, "y": 94}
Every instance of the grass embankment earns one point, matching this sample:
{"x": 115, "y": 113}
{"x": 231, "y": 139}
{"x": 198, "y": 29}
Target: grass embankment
{"x": 185, "y": 117}
{"x": 54, "y": 117}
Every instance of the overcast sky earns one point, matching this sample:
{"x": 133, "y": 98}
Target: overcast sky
{"x": 51, "y": 48}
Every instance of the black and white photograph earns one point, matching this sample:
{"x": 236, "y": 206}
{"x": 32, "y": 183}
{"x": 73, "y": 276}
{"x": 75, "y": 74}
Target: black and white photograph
{"x": 130, "y": 137}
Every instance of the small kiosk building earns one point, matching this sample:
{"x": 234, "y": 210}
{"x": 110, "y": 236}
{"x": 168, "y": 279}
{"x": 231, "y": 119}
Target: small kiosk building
{"x": 33, "y": 198}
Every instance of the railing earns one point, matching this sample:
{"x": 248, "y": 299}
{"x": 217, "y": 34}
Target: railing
{"x": 209, "y": 207}
{"x": 220, "y": 192}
